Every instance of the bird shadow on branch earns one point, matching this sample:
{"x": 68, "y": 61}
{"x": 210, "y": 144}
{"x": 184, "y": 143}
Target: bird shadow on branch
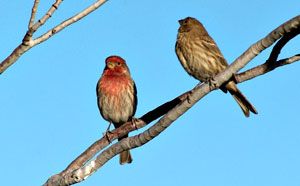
{"x": 84, "y": 165}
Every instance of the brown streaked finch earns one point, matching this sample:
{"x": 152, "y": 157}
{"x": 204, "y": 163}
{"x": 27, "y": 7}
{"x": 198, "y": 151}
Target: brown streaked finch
{"x": 117, "y": 96}
{"x": 201, "y": 58}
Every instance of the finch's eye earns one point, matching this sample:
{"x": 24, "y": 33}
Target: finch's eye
{"x": 118, "y": 63}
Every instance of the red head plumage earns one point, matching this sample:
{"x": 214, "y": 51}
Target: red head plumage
{"x": 115, "y": 66}
{"x": 115, "y": 59}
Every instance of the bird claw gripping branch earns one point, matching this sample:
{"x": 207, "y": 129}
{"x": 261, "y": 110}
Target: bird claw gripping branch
{"x": 212, "y": 83}
{"x": 133, "y": 122}
{"x": 107, "y": 135}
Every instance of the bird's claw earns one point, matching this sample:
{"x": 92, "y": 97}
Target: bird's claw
{"x": 107, "y": 135}
{"x": 212, "y": 83}
{"x": 134, "y": 121}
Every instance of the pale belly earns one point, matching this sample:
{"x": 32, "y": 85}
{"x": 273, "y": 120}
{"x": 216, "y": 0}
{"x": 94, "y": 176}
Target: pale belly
{"x": 117, "y": 110}
{"x": 199, "y": 61}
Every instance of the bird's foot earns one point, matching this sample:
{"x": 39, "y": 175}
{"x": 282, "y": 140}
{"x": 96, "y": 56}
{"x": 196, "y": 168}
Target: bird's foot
{"x": 212, "y": 83}
{"x": 134, "y": 121}
{"x": 107, "y": 135}
{"x": 188, "y": 98}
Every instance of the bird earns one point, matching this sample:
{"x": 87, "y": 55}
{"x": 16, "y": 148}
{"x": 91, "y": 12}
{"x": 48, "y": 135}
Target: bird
{"x": 117, "y": 96}
{"x": 201, "y": 58}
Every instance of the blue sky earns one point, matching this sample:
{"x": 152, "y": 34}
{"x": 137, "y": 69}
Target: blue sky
{"x": 49, "y": 113}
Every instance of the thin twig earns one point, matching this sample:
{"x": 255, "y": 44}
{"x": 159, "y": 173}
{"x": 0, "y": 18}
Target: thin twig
{"x": 68, "y": 22}
{"x": 289, "y": 60}
{"x": 264, "y": 68}
{"x": 49, "y": 14}
{"x": 28, "y": 42}
{"x": 281, "y": 43}
{"x": 33, "y": 13}
{"x": 272, "y": 63}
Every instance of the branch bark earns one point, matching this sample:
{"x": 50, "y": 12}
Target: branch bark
{"x": 272, "y": 63}
{"x": 82, "y": 167}
{"x": 33, "y": 13}
{"x": 28, "y": 42}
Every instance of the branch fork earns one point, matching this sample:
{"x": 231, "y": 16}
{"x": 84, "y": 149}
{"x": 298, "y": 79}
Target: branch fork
{"x": 28, "y": 41}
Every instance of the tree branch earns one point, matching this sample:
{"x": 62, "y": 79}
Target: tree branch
{"x": 28, "y": 42}
{"x": 272, "y": 63}
{"x": 33, "y": 13}
{"x": 31, "y": 30}
{"x": 45, "y": 18}
{"x": 264, "y": 68}
{"x": 68, "y": 22}
{"x": 281, "y": 43}
{"x": 115, "y": 134}
{"x": 14, "y": 56}
{"x": 80, "y": 168}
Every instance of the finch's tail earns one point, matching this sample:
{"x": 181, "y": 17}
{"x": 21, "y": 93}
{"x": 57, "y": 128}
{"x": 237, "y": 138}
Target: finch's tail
{"x": 245, "y": 105}
{"x": 125, "y": 156}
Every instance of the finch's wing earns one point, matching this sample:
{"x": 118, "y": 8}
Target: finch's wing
{"x": 209, "y": 42}
{"x": 181, "y": 57}
{"x": 214, "y": 49}
{"x": 135, "y": 101}
{"x": 98, "y": 94}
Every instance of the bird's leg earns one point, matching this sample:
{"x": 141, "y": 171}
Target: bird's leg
{"x": 107, "y": 133}
{"x": 134, "y": 121}
{"x": 188, "y": 97}
{"x": 211, "y": 82}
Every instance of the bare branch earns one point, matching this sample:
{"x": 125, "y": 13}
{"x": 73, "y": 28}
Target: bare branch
{"x": 68, "y": 22}
{"x": 31, "y": 30}
{"x": 28, "y": 42}
{"x": 264, "y": 68}
{"x": 115, "y": 134}
{"x": 71, "y": 175}
{"x": 289, "y": 60}
{"x": 271, "y": 63}
{"x": 13, "y": 57}
{"x": 49, "y": 14}
{"x": 266, "y": 42}
{"x": 281, "y": 43}
{"x": 33, "y": 13}
{"x": 140, "y": 139}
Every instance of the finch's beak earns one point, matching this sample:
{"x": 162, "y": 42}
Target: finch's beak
{"x": 181, "y": 21}
{"x": 110, "y": 65}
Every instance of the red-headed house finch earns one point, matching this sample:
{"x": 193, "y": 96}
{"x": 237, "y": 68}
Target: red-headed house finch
{"x": 201, "y": 58}
{"x": 117, "y": 96}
